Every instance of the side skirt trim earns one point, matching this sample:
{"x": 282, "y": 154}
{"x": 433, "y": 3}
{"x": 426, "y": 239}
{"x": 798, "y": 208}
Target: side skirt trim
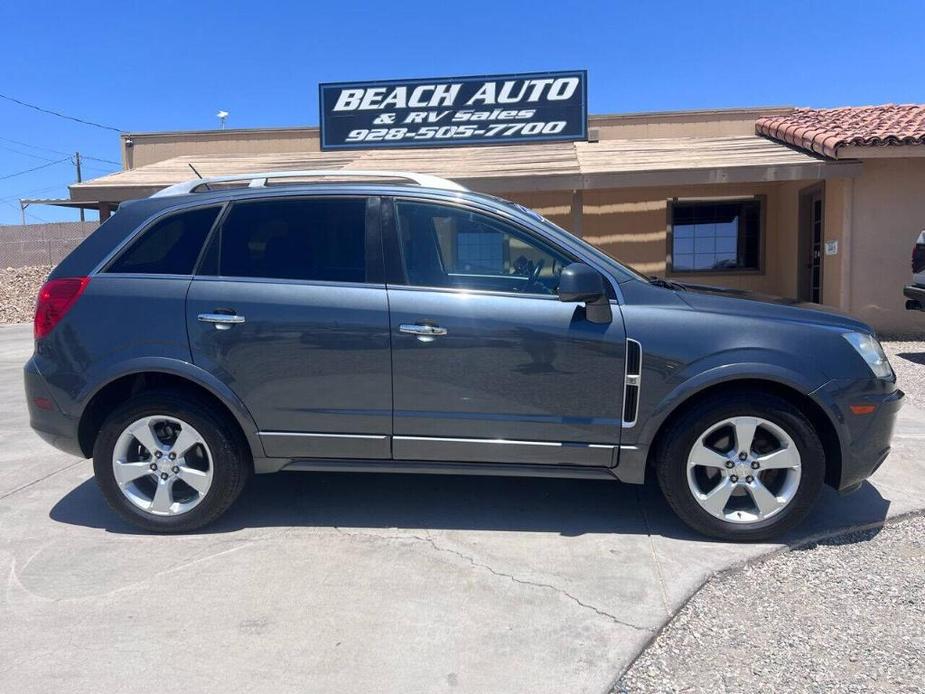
{"x": 435, "y": 468}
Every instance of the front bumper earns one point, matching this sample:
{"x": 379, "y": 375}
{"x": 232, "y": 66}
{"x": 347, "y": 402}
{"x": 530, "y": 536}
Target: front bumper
{"x": 915, "y": 297}
{"x": 864, "y": 438}
{"x": 45, "y": 417}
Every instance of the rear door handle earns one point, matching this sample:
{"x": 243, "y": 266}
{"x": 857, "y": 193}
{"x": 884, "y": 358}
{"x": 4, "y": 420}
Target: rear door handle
{"x": 222, "y": 321}
{"x": 424, "y": 333}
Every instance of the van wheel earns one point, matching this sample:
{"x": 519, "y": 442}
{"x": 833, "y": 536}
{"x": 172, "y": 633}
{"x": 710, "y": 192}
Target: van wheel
{"x": 169, "y": 463}
{"x": 743, "y": 467}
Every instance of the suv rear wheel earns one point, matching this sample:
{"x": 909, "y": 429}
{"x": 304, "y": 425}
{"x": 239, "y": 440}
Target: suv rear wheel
{"x": 741, "y": 467}
{"x": 169, "y": 463}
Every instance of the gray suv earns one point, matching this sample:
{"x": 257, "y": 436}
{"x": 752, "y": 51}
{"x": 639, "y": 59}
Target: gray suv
{"x": 251, "y": 324}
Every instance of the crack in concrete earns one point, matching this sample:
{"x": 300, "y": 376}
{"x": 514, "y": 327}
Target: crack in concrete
{"x": 663, "y": 588}
{"x": 500, "y": 574}
{"x": 40, "y": 479}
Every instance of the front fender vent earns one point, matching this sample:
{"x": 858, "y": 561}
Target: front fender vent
{"x": 631, "y": 382}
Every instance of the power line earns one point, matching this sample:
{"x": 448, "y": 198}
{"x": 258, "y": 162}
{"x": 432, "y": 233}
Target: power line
{"x": 35, "y": 216}
{"x": 105, "y": 161}
{"x": 59, "y": 115}
{"x": 43, "y": 166}
{"x": 26, "y": 144}
{"x": 98, "y": 169}
{"x": 26, "y": 154}
{"x": 19, "y": 196}
{"x": 55, "y": 151}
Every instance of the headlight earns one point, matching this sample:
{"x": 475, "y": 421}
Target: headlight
{"x": 871, "y": 352}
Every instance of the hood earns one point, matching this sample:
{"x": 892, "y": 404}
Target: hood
{"x": 756, "y": 305}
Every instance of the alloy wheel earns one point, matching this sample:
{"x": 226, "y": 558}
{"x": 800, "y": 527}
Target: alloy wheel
{"x": 744, "y": 469}
{"x": 162, "y": 465}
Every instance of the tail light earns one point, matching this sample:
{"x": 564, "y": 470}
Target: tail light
{"x": 918, "y": 258}
{"x": 55, "y": 299}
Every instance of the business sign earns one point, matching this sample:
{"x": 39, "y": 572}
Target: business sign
{"x": 455, "y": 111}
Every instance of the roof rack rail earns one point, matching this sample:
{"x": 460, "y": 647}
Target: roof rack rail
{"x": 259, "y": 180}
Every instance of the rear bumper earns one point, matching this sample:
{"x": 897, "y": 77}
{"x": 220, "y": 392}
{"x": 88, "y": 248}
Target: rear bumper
{"x": 45, "y": 417}
{"x": 864, "y": 439}
{"x": 915, "y": 295}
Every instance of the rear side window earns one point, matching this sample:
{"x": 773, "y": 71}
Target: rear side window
{"x": 170, "y": 247}
{"x": 312, "y": 239}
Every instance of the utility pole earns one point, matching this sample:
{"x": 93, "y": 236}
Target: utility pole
{"x": 77, "y": 164}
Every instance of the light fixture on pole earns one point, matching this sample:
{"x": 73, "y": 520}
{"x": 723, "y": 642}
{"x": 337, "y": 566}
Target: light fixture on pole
{"x": 222, "y": 115}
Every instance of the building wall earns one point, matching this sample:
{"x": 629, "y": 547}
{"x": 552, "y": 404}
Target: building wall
{"x": 148, "y": 148}
{"x": 632, "y": 225}
{"x": 888, "y": 212}
{"x": 708, "y": 123}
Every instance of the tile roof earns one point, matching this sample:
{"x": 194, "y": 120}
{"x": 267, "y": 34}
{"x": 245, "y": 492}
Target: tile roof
{"x": 826, "y": 130}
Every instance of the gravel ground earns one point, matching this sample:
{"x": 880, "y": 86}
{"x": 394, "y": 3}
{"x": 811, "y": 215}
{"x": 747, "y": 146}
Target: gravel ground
{"x": 842, "y": 615}
{"x": 908, "y": 360}
{"x": 18, "y": 290}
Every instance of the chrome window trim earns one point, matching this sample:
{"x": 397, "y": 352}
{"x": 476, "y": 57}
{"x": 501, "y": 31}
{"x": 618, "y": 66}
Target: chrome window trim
{"x": 476, "y": 292}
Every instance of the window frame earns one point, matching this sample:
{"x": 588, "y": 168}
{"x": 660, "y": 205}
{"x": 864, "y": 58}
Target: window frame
{"x": 395, "y": 270}
{"x": 375, "y": 275}
{"x": 669, "y": 251}
{"x": 130, "y": 241}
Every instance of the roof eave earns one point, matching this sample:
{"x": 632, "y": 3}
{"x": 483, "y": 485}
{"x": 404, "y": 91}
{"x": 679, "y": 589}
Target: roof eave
{"x": 889, "y": 151}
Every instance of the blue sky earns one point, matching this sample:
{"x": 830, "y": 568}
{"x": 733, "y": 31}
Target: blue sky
{"x": 171, "y": 65}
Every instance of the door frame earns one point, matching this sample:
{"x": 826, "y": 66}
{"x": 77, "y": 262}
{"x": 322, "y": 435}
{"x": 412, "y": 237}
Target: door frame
{"x": 806, "y": 242}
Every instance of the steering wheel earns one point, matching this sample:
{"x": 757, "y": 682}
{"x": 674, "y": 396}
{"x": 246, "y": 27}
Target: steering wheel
{"x": 535, "y": 275}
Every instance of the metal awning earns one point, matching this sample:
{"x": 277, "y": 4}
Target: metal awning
{"x": 61, "y": 202}
{"x": 512, "y": 168}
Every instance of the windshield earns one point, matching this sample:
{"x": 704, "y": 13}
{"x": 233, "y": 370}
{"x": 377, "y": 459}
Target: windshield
{"x": 623, "y": 272}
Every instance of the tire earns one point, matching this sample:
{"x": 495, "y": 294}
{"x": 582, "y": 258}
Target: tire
{"x": 683, "y": 481}
{"x": 220, "y": 454}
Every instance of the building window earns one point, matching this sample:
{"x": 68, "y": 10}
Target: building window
{"x": 715, "y": 236}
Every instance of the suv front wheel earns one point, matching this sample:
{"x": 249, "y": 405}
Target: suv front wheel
{"x": 167, "y": 462}
{"x": 741, "y": 467}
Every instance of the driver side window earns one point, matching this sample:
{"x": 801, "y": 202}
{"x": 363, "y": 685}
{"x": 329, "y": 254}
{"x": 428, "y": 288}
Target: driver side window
{"x": 445, "y": 246}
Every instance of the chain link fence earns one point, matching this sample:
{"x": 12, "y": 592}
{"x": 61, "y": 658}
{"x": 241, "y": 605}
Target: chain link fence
{"x": 24, "y": 245}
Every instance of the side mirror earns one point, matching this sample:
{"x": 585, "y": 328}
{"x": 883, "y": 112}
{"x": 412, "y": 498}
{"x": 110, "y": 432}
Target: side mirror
{"x": 581, "y": 283}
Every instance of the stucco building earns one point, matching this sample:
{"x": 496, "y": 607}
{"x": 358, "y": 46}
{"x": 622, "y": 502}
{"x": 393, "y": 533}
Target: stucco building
{"x": 819, "y": 204}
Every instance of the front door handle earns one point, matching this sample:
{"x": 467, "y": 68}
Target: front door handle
{"x": 424, "y": 332}
{"x": 222, "y": 321}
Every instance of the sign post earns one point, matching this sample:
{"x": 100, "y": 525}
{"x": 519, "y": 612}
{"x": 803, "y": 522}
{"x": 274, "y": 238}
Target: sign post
{"x": 455, "y": 111}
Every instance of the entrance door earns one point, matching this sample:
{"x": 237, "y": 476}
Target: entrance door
{"x": 488, "y": 365}
{"x": 812, "y": 235}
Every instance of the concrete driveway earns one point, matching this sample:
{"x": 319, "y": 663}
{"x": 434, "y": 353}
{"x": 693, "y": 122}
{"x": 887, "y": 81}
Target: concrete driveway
{"x": 345, "y": 583}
